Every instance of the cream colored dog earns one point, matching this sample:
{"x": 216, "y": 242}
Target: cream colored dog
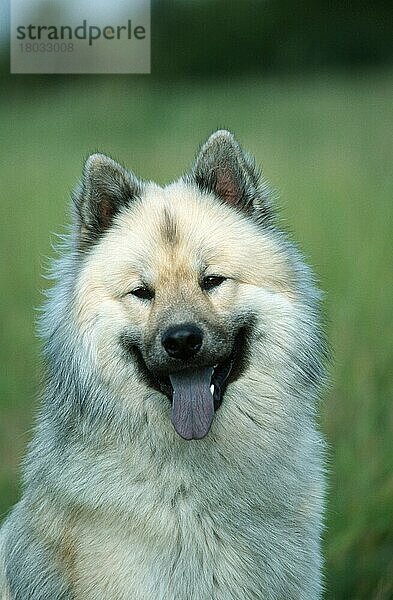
{"x": 176, "y": 455}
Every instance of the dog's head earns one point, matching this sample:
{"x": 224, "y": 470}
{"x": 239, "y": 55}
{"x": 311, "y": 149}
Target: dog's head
{"x": 169, "y": 287}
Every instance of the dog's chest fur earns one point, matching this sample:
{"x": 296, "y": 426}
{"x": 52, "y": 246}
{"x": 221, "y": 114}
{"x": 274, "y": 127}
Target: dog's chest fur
{"x": 189, "y": 557}
{"x": 198, "y": 524}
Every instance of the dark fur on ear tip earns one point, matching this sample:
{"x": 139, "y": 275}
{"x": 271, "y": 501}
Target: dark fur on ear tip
{"x": 223, "y": 168}
{"x": 106, "y": 187}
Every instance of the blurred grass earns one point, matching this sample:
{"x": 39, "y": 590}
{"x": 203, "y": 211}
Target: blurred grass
{"x": 326, "y": 144}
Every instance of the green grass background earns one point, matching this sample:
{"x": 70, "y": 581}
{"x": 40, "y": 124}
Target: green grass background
{"x": 326, "y": 145}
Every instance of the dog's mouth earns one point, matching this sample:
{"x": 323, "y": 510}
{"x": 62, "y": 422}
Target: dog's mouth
{"x": 196, "y": 393}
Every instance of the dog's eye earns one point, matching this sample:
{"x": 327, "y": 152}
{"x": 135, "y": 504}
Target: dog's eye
{"x": 143, "y": 293}
{"x": 212, "y": 281}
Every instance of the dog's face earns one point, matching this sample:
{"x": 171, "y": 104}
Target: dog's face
{"x": 172, "y": 281}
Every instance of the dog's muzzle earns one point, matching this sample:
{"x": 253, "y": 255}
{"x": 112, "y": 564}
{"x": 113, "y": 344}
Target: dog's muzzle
{"x": 195, "y": 391}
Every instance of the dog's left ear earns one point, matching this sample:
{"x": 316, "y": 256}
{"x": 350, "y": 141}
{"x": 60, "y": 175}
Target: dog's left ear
{"x": 105, "y": 189}
{"x": 224, "y": 169}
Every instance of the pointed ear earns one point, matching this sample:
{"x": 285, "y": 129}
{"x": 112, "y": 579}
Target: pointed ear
{"x": 224, "y": 169}
{"x": 106, "y": 187}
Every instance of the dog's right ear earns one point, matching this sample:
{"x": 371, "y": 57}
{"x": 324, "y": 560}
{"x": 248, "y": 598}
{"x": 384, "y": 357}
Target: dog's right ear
{"x": 106, "y": 187}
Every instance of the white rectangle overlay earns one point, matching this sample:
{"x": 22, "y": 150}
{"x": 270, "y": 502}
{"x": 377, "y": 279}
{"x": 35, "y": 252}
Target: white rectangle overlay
{"x": 80, "y": 36}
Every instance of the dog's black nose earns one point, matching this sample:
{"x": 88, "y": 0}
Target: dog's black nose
{"x": 182, "y": 341}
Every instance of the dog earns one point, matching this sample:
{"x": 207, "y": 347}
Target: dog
{"x": 176, "y": 454}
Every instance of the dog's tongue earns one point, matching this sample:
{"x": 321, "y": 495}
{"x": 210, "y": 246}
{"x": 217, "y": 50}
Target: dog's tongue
{"x": 192, "y": 405}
